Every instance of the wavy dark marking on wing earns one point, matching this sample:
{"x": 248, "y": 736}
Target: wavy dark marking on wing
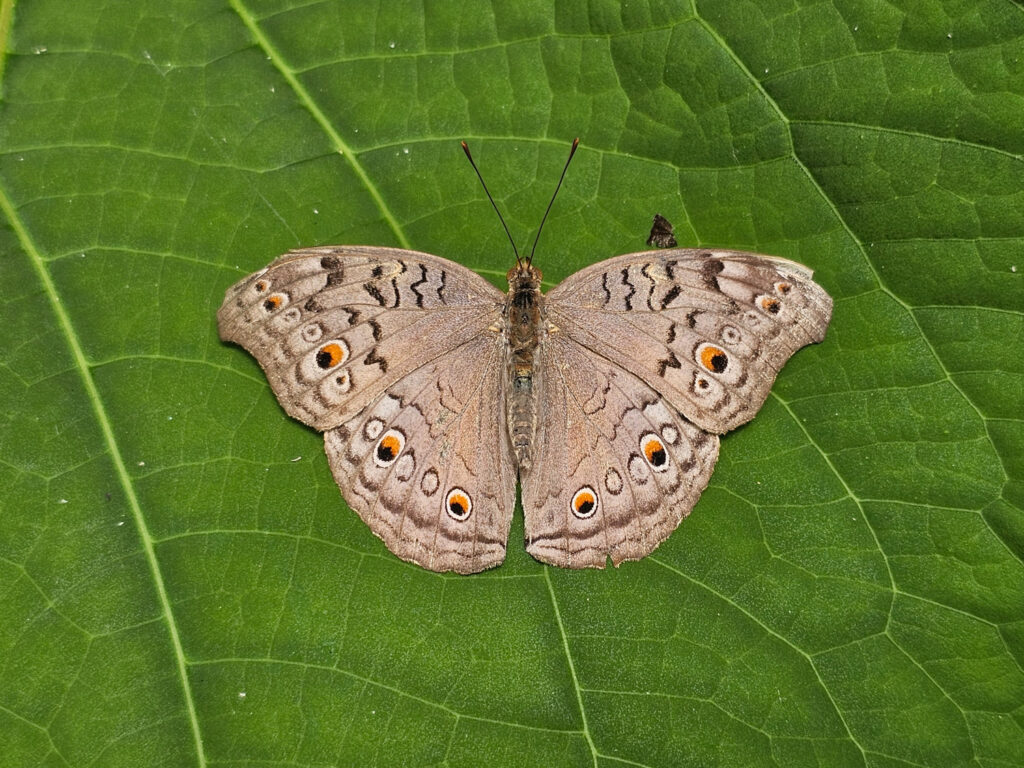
{"x": 378, "y": 271}
{"x": 632, "y": 290}
{"x": 671, "y": 334}
{"x": 373, "y": 359}
{"x": 375, "y": 293}
{"x": 421, "y": 281}
{"x": 604, "y": 399}
{"x": 669, "y": 267}
{"x": 669, "y": 362}
{"x": 375, "y": 328}
{"x": 604, "y": 285}
{"x": 691, "y": 317}
{"x": 709, "y": 272}
{"x": 398, "y": 294}
{"x": 669, "y": 297}
{"x": 353, "y": 315}
{"x": 650, "y": 290}
{"x": 442, "y": 286}
{"x": 330, "y": 263}
{"x": 313, "y": 305}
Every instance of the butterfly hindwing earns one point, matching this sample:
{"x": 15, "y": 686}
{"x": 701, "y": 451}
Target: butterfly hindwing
{"x": 427, "y": 465}
{"x": 616, "y": 468}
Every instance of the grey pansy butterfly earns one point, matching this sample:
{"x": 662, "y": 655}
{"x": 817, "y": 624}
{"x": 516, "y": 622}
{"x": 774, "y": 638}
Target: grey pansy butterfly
{"x": 605, "y": 397}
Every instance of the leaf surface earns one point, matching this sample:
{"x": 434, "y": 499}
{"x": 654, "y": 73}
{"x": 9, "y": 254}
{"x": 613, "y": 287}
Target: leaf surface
{"x": 180, "y": 582}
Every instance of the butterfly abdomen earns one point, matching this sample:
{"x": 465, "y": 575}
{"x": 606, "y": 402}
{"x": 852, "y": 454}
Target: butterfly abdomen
{"x": 523, "y": 320}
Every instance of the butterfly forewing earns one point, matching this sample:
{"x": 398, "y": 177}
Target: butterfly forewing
{"x": 709, "y": 330}
{"x": 334, "y": 327}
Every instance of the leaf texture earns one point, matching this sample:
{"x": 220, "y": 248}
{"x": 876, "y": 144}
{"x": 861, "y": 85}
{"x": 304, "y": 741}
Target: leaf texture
{"x": 180, "y": 582}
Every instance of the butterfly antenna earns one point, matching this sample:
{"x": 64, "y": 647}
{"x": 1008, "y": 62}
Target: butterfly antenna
{"x": 575, "y": 144}
{"x": 465, "y": 148}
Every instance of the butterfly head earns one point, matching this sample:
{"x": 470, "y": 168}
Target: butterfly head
{"x": 523, "y": 277}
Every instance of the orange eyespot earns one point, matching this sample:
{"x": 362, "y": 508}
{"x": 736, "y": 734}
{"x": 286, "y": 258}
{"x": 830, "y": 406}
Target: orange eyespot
{"x": 261, "y": 286}
{"x": 458, "y": 504}
{"x": 273, "y": 302}
{"x": 654, "y": 451}
{"x": 331, "y": 355}
{"x": 713, "y": 358}
{"x": 388, "y": 448}
{"x": 782, "y": 288}
{"x": 584, "y": 502}
{"x": 770, "y": 305}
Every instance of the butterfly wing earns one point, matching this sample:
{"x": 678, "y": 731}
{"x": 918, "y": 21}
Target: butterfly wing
{"x": 333, "y": 327}
{"x": 428, "y": 464}
{"x": 397, "y": 356}
{"x": 646, "y": 358}
{"x": 709, "y": 330}
{"x": 616, "y": 466}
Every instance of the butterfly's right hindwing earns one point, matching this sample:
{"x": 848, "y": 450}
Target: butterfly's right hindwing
{"x": 616, "y": 469}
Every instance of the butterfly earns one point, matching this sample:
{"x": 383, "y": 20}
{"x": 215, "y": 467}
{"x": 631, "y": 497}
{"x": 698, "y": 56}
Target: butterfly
{"x": 603, "y": 398}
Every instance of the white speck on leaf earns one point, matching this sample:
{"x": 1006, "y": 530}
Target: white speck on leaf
{"x": 38, "y": 49}
{"x": 63, "y": 501}
{"x": 297, "y": 458}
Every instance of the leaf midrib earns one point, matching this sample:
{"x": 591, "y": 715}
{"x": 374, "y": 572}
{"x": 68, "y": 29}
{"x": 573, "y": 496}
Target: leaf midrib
{"x": 84, "y": 371}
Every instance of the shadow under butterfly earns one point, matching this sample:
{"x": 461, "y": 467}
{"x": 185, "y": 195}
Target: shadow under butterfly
{"x": 604, "y": 398}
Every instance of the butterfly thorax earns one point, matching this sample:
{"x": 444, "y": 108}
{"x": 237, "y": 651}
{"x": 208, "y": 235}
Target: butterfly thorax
{"x": 523, "y": 327}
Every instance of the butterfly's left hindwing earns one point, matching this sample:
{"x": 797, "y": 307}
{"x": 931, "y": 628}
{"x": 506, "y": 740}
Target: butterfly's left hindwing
{"x": 428, "y": 465}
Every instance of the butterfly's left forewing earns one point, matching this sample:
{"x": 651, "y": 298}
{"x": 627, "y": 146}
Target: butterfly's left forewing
{"x": 333, "y": 327}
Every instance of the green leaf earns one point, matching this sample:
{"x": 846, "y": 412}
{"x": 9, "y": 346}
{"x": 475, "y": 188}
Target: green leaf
{"x": 180, "y": 582}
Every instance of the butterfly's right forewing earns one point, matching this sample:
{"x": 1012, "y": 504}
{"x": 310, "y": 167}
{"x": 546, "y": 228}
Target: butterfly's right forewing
{"x": 707, "y": 329}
